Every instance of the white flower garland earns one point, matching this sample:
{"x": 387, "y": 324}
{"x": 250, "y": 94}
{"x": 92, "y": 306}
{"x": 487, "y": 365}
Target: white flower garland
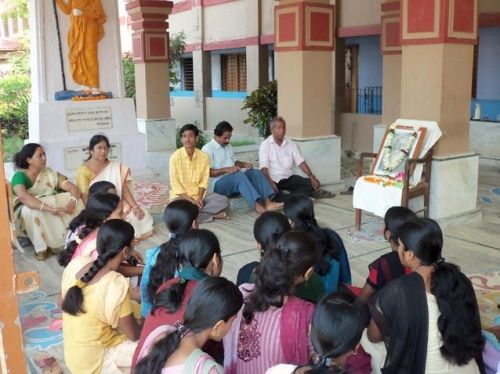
{"x": 389, "y": 162}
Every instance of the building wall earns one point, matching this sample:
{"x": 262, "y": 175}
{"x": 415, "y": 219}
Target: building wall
{"x": 355, "y": 13}
{"x": 356, "y": 131}
{"x": 488, "y": 70}
{"x": 369, "y": 60}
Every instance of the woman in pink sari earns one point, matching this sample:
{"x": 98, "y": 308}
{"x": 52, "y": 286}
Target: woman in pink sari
{"x": 272, "y": 327}
{"x": 97, "y": 168}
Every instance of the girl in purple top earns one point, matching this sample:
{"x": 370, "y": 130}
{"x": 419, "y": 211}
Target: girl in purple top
{"x": 272, "y": 327}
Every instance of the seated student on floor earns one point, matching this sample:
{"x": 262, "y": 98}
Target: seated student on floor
{"x": 209, "y": 315}
{"x": 101, "y": 207}
{"x": 179, "y": 217}
{"x": 99, "y": 329}
{"x": 333, "y": 266}
{"x": 267, "y": 230}
{"x": 272, "y": 327}
{"x": 336, "y": 330}
{"x": 199, "y": 256}
{"x": 387, "y": 267}
{"x": 428, "y": 319}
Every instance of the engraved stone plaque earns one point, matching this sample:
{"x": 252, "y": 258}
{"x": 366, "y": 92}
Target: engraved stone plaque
{"x": 78, "y": 119}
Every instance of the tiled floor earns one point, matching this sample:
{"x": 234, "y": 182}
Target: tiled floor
{"x": 474, "y": 246}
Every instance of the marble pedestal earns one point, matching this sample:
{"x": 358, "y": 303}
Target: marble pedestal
{"x": 64, "y": 129}
{"x": 454, "y": 184}
{"x": 322, "y": 154}
{"x": 160, "y": 133}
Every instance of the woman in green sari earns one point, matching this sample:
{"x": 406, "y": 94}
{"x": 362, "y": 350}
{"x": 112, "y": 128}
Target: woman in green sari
{"x": 44, "y": 202}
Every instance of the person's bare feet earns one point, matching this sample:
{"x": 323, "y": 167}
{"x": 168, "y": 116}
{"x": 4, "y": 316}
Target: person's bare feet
{"x": 273, "y": 206}
{"x": 220, "y": 215}
{"x": 259, "y": 208}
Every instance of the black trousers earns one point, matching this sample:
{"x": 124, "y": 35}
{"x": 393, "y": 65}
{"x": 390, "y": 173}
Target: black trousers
{"x": 294, "y": 185}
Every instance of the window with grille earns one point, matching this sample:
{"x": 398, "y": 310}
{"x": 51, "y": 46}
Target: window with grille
{"x": 187, "y": 74}
{"x": 234, "y": 72}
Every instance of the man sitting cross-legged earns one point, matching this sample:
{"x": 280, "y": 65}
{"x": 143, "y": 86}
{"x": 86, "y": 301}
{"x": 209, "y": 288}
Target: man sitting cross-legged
{"x": 189, "y": 171}
{"x": 230, "y": 177}
{"x": 277, "y": 157}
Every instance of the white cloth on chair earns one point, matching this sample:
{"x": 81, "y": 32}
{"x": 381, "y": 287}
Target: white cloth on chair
{"x": 377, "y": 199}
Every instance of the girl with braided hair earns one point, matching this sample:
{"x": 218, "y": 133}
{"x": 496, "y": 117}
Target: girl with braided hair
{"x": 199, "y": 257}
{"x": 160, "y": 265}
{"x": 333, "y": 265}
{"x": 209, "y": 315}
{"x": 272, "y": 327}
{"x": 99, "y": 329}
{"x": 267, "y": 230}
{"x": 83, "y": 228}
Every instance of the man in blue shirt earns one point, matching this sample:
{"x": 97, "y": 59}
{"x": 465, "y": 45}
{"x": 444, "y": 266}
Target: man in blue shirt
{"x": 230, "y": 177}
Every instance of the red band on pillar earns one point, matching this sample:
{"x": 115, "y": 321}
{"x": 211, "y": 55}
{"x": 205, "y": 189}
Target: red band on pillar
{"x": 149, "y": 29}
{"x": 304, "y": 26}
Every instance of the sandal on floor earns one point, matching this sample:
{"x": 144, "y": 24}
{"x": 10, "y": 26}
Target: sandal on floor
{"x": 41, "y": 256}
{"x": 323, "y": 194}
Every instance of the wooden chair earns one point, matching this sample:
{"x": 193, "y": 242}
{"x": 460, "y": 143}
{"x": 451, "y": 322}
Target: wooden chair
{"x": 422, "y": 188}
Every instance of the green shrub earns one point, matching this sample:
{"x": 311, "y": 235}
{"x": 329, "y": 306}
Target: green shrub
{"x": 129, "y": 76}
{"x": 262, "y": 106}
{"x": 15, "y": 94}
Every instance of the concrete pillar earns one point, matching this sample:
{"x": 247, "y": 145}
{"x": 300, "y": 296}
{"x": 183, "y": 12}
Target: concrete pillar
{"x": 202, "y": 84}
{"x": 304, "y": 44}
{"x": 437, "y": 53}
{"x": 2, "y": 28}
{"x": 10, "y": 27}
{"x": 257, "y": 66}
{"x": 150, "y": 52}
{"x": 390, "y": 45}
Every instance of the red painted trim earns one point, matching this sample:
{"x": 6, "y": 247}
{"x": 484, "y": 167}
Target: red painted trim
{"x": 235, "y": 43}
{"x": 182, "y": 6}
{"x": 489, "y": 20}
{"x": 391, "y": 52}
{"x": 149, "y": 3}
{"x": 193, "y": 47}
{"x": 267, "y": 39}
{"x": 439, "y": 40}
{"x": 344, "y": 32}
{"x": 214, "y": 2}
{"x": 390, "y": 7}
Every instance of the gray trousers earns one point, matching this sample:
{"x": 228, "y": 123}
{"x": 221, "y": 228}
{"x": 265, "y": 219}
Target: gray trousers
{"x": 212, "y": 204}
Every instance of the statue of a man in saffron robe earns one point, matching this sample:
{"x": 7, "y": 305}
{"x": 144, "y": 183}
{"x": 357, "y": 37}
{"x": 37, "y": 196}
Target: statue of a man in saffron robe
{"x": 85, "y": 32}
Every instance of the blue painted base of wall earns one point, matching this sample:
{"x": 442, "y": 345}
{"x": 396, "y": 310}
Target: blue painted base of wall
{"x": 216, "y": 94}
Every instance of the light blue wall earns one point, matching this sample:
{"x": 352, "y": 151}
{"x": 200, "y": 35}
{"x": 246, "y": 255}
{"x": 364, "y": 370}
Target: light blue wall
{"x": 370, "y": 60}
{"x": 488, "y": 67}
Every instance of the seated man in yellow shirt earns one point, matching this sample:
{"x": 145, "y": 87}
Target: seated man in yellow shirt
{"x": 189, "y": 171}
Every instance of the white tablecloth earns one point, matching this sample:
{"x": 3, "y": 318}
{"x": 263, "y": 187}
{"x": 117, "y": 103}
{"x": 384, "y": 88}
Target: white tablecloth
{"x": 375, "y": 198}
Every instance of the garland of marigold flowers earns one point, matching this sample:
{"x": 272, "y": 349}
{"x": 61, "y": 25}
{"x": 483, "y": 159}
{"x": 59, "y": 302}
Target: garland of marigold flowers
{"x": 389, "y": 163}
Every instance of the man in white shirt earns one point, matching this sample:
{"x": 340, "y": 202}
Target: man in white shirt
{"x": 277, "y": 156}
{"x": 229, "y": 177}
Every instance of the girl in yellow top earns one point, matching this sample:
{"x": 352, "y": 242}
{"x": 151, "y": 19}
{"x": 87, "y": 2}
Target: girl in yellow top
{"x": 100, "y": 332}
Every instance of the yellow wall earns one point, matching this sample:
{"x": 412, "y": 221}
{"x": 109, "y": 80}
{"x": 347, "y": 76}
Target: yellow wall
{"x": 233, "y": 20}
{"x": 359, "y": 12}
{"x": 489, "y": 6}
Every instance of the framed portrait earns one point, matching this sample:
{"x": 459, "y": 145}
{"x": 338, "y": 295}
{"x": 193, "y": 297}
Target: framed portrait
{"x": 399, "y": 143}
